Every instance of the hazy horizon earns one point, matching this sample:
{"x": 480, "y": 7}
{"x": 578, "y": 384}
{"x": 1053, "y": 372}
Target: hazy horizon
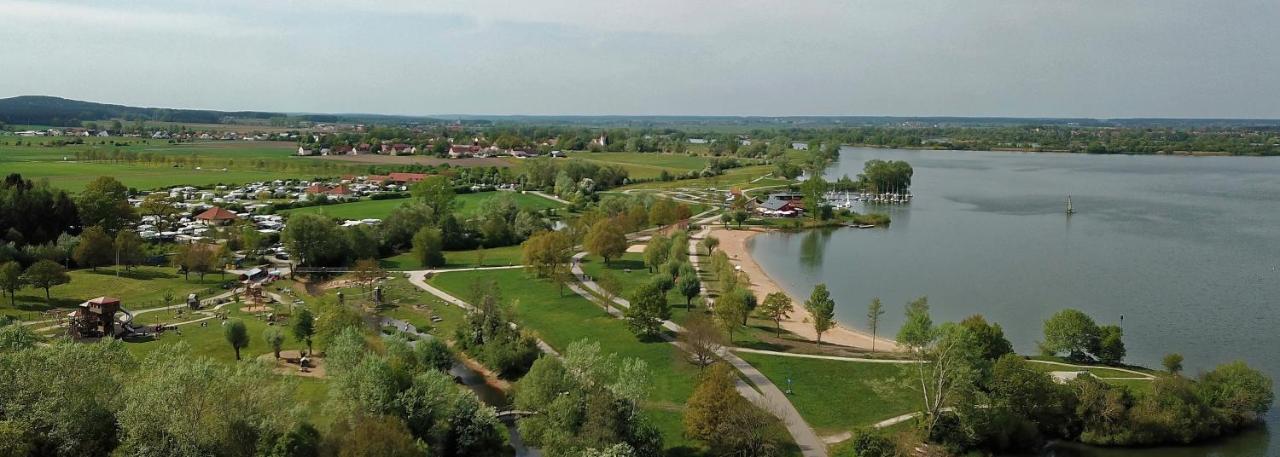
{"x": 978, "y": 58}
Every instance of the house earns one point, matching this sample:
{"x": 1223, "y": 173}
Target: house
{"x": 380, "y": 180}
{"x": 799, "y": 146}
{"x": 399, "y": 149}
{"x": 602, "y": 141}
{"x": 216, "y": 216}
{"x": 342, "y": 150}
{"x": 306, "y": 151}
{"x": 406, "y": 178}
{"x": 363, "y": 148}
{"x": 785, "y": 204}
{"x": 463, "y": 150}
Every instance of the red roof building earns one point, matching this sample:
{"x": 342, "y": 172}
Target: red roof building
{"x": 216, "y": 216}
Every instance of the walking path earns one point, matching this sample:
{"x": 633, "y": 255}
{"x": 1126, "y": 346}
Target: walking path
{"x": 768, "y": 396}
{"x": 822, "y": 357}
{"x": 549, "y": 197}
{"x": 419, "y": 278}
{"x": 1140, "y": 375}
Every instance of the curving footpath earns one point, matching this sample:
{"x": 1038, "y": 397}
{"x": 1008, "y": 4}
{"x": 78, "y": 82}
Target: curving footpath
{"x": 766, "y": 394}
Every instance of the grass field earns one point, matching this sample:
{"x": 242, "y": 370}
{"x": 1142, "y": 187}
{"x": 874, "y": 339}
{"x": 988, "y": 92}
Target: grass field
{"x": 72, "y": 176}
{"x": 645, "y": 165}
{"x": 838, "y": 396}
{"x": 141, "y": 288}
{"x": 246, "y": 162}
{"x": 506, "y": 255}
{"x": 467, "y": 205}
{"x": 743, "y": 178}
{"x": 561, "y": 320}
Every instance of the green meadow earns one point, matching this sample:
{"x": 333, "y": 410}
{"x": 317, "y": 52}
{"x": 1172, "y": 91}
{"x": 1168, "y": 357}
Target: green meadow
{"x": 467, "y": 205}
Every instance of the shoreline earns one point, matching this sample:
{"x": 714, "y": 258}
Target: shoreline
{"x": 734, "y": 244}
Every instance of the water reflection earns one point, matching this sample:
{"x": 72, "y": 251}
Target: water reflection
{"x": 813, "y": 246}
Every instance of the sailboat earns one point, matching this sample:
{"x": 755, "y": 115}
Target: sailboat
{"x": 1070, "y": 210}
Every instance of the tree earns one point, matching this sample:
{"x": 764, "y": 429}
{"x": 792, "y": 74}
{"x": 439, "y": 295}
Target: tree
{"x": 609, "y": 286}
{"x": 648, "y": 309}
{"x": 380, "y": 436}
{"x": 196, "y": 258}
{"x": 46, "y": 274}
{"x": 313, "y": 239}
{"x": 1234, "y": 387}
{"x": 436, "y": 192}
{"x": 822, "y": 310}
{"x": 157, "y": 205}
{"x": 731, "y": 308}
{"x": 701, "y": 339}
{"x": 606, "y": 240}
{"x": 428, "y": 248}
{"x": 1072, "y": 332}
{"x": 690, "y": 286}
{"x": 814, "y": 190}
{"x": 712, "y": 399}
{"x": 710, "y": 243}
{"x": 740, "y": 216}
{"x": 128, "y": 247}
{"x": 656, "y": 251}
{"x": 11, "y": 279}
{"x": 95, "y": 248}
{"x": 989, "y": 338}
{"x": 237, "y": 335}
{"x": 274, "y": 338}
{"x": 874, "y": 311}
{"x": 304, "y": 328}
{"x": 917, "y": 331}
{"x": 777, "y": 307}
{"x": 547, "y": 252}
{"x": 105, "y": 203}
{"x": 1172, "y": 363}
{"x": 1110, "y": 348}
{"x": 367, "y": 271}
{"x": 728, "y": 423}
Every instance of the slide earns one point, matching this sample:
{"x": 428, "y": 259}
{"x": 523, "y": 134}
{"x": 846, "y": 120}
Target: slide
{"x": 125, "y": 319}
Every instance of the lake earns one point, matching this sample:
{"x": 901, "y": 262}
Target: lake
{"x": 1186, "y": 250}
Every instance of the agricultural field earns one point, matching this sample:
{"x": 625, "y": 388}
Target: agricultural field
{"x": 202, "y": 162}
{"x": 468, "y": 205}
{"x": 141, "y": 288}
{"x": 645, "y": 165}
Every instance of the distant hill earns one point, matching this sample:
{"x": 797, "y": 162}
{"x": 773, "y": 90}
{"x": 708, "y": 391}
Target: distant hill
{"x": 35, "y": 109}
{"x": 45, "y": 110}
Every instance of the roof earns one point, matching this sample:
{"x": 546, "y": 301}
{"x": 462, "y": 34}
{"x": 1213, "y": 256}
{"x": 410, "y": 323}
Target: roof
{"x": 407, "y": 177}
{"x": 104, "y": 301}
{"x": 775, "y": 204}
{"x": 216, "y": 214}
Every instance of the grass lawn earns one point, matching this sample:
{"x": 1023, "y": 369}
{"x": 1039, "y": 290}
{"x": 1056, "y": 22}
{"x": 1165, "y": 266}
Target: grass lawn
{"x": 742, "y": 177}
{"x": 561, "y": 320}
{"x": 140, "y": 288}
{"x": 630, "y": 273}
{"x": 506, "y": 255}
{"x": 468, "y": 206}
{"x": 838, "y": 396}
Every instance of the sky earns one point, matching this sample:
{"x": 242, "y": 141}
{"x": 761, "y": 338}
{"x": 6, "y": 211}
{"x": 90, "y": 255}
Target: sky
{"x": 1023, "y": 58}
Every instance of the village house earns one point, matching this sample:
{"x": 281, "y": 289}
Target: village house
{"x": 399, "y": 149}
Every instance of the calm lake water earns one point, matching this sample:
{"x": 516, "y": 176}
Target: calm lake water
{"x": 1186, "y": 249}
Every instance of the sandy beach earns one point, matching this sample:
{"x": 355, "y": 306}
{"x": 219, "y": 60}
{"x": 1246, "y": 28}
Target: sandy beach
{"x": 734, "y": 244}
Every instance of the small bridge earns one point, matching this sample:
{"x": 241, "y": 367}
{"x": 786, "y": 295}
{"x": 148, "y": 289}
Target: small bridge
{"x": 513, "y": 414}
